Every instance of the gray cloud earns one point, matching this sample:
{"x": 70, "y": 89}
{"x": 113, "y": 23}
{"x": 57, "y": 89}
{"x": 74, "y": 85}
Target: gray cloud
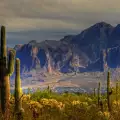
{"x": 31, "y": 14}
{"x": 23, "y": 37}
{"x": 53, "y": 16}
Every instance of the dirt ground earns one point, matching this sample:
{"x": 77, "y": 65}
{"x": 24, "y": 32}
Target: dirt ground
{"x": 86, "y": 80}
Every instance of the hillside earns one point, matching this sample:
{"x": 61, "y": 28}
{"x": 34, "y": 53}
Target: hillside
{"x": 85, "y": 51}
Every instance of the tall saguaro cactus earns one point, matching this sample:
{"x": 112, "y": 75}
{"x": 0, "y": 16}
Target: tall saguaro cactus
{"x": 6, "y": 71}
{"x": 109, "y": 91}
{"x": 18, "y": 92}
{"x": 117, "y": 86}
{"x": 18, "y": 104}
{"x": 99, "y": 86}
{"x": 94, "y": 92}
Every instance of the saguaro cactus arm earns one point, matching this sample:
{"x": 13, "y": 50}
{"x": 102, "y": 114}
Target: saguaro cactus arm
{"x": 11, "y": 63}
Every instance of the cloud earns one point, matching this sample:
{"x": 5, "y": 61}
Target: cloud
{"x": 55, "y": 15}
{"x": 28, "y": 23}
{"x": 24, "y": 37}
{"x": 32, "y": 14}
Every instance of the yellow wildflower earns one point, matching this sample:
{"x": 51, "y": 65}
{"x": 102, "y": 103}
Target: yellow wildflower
{"x": 89, "y": 100}
{"x": 100, "y": 114}
{"x": 44, "y": 101}
{"x": 116, "y": 102}
{"x": 84, "y": 104}
{"x": 106, "y": 114}
{"x": 25, "y": 98}
{"x": 34, "y": 105}
{"x": 52, "y": 103}
{"x": 77, "y": 102}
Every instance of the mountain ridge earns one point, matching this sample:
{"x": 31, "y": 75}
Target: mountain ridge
{"x": 82, "y": 49}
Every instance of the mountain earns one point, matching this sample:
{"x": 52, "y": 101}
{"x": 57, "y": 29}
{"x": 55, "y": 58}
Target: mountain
{"x": 94, "y": 39}
{"x": 50, "y": 54}
{"x": 84, "y": 52}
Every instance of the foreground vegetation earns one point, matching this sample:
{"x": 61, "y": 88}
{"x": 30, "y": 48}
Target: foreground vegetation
{"x": 46, "y": 105}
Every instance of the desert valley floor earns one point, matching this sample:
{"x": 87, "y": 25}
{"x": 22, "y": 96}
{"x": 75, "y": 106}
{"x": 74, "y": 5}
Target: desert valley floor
{"x": 85, "y": 81}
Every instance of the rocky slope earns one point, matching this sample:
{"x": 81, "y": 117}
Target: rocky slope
{"x": 82, "y": 52}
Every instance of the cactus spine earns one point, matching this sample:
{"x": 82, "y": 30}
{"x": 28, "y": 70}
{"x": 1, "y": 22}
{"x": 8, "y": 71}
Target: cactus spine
{"x": 99, "y": 86}
{"x": 18, "y": 102}
{"x": 109, "y": 91}
{"x": 6, "y": 71}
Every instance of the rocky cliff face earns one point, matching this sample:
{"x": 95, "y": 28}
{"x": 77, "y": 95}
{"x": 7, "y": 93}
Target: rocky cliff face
{"x": 55, "y": 56}
{"x": 83, "y": 51}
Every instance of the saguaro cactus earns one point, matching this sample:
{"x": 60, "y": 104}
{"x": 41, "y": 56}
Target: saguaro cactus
{"x": 101, "y": 105}
{"x": 18, "y": 92}
{"x": 28, "y": 90}
{"x": 94, "y": 92}
{"x": 6, "y": 71}
{"x": 109, "y": 91}
{"x": 99, "y": 86}
{"x": 117, "y": 91}
{"x": 49, "y": 89}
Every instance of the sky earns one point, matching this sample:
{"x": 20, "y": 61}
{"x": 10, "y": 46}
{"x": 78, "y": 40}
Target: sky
{"x": 39, "y": 20}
